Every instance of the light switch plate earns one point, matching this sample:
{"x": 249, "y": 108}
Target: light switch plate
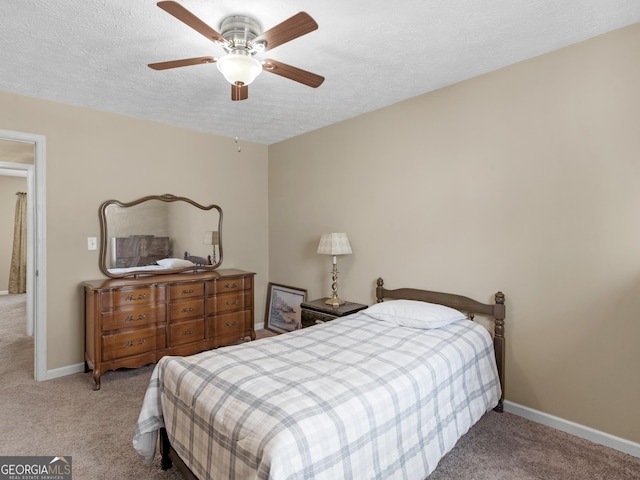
{"x": 92, "y": 243}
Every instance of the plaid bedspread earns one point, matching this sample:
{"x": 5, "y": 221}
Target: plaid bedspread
{"x": 354, "y": 398}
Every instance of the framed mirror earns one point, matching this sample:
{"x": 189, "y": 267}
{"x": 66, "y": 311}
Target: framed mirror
{"x": 159, "y": 234}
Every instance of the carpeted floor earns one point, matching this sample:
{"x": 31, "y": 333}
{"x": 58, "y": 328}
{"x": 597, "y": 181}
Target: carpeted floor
{"x": 65, "y": 416}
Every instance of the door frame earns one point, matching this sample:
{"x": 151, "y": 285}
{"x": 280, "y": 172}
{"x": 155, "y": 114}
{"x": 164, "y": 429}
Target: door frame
{"x": 36, "y": 307}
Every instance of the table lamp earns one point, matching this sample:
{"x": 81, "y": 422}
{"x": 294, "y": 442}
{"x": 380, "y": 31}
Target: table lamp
{"x": 212, "y": 238}
{"x": 334, "y": 244}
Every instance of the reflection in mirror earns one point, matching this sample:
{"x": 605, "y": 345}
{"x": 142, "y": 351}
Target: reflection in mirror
{"x": 159, "y": 234}
{"x": 212, "y": 238}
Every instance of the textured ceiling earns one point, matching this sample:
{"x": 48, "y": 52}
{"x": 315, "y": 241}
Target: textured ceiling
{"x": 94, "y": 53}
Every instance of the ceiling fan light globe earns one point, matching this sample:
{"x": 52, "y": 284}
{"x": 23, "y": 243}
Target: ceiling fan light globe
{"x": 239, "y": 68}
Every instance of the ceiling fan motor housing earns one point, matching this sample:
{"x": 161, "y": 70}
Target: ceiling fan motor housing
{"x": 240, "y": 31}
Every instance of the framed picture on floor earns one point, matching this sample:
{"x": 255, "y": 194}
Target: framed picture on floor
{"x": 282, "y": 313}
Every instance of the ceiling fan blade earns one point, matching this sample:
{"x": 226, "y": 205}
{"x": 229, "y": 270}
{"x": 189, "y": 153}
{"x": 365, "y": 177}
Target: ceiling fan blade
{"x": 181, "y": 63}
{"x": 292, "y": 73}
{"x": 188, "y": 18}
{"x": 239, "y": 91}
{"x": 294, "y": 27}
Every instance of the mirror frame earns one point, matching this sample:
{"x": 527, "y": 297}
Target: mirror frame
{"x": 104, "y": 236}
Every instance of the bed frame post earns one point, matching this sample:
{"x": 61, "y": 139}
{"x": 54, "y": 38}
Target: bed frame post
{"x": 499, "y": 343}
{"x": 165, "y": 448}
{"x": 379, "y": 290}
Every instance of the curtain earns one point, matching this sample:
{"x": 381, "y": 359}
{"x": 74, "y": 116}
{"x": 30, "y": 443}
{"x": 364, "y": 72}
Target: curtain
{"x": 18, "y": 271}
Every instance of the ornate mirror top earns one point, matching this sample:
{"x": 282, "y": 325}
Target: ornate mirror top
{"x": 159, "y": 234}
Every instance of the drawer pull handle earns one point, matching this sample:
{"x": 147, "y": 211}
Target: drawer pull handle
{"x": 232, "y": 324}
{"x": 233, "y": 285}
{"x": 186, "y": 292}
{"x": 131, "y": 318}
{"x": 133, "y": 298}
{"x": 187, "y": 332}
{"x": 235, "y": 302}
{"x": 187, "y": 310}
{"x": 131, "y": 343}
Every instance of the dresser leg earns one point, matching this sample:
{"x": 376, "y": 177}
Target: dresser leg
{"x": 96, "y": 378}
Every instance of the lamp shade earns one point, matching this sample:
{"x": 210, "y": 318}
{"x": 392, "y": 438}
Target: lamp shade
{"x": 334, "y": 244}
{"x": 211, "y": 238}
{"x": 238, "y": 68}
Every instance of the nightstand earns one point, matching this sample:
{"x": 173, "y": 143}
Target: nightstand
{"x": 317, "y": 311}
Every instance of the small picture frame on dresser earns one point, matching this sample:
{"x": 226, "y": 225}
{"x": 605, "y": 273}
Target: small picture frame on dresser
{"x": 283, "y": 313}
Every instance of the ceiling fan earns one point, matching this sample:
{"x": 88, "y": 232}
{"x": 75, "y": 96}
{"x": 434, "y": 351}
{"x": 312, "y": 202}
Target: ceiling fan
{"x": 242, "y": 38}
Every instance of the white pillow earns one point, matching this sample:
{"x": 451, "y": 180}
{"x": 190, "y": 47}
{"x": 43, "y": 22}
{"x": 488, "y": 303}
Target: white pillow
{"x": 413, "y": 313}
{"x": 175, "y": 263}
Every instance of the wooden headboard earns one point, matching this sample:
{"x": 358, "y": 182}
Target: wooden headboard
{"x": 139, "y": 250}
{"x": 465, "y": 305}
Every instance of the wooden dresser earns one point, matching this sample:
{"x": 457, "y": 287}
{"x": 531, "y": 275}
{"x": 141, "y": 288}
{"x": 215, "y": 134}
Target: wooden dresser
{"x": 131, "y": 322}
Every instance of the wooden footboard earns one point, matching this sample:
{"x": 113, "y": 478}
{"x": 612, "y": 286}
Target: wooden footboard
{"x": 466, "y": 305}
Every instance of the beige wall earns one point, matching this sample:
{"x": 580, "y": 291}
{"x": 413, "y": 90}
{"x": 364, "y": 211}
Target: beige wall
{"x": 523, "y": 180}
{"x": 8, "y": 188}
{"x": 93, "y": 156}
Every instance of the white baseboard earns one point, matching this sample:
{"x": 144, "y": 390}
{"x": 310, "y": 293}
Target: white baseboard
{"x": 588, "y": 433}
{"x": 259, "y": 326}
{"x": 64, "y": 371}
{"x": 4, "y": 292}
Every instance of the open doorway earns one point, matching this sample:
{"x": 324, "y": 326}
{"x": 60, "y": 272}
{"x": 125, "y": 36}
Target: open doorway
{"x": 14, "y": 164}
{"x": 16, "y": 328}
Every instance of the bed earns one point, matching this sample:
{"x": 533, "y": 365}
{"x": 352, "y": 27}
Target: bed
{"x": 383, "y": 393}
{"x": 163, "y": 264}
{"x": 148, "y": 254}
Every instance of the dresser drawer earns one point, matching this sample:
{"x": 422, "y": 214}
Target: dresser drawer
{"x": 139, "y": 316}
{"x": 229, "y": 302}
{"x": 317, "y": 311}
{"x": 227, "y": 325}
{"x": 131, "y": 296}
{"x": 186, "y": 290}
{"x": 233, "y": 284}
{"x": 187, "y": 332}
{"x": 186, "y": 309}
{"x": 310, "y": 317}
{"x": 133, "y": 342}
